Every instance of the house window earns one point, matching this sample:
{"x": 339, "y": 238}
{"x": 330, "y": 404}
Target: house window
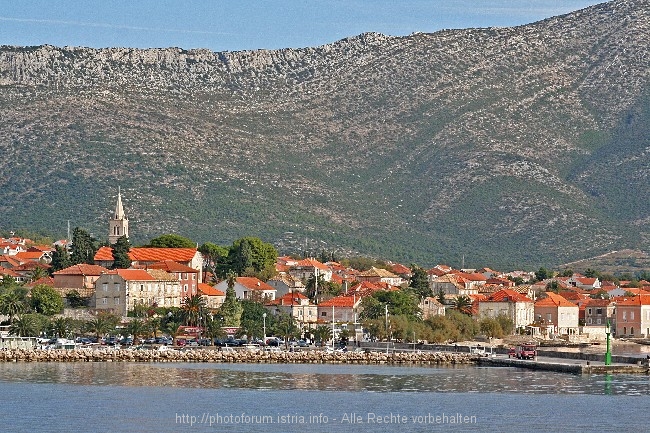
{"x": 549, "y": 317}
{"x": 624, "y": 316}
{"x": 598, "y": 321}
{"x": 624, "y": 330}
{"x": 589, "y": 320}
{"x": 323, "y": 313}
{"x": 632, "y": 330}
{"x": 142, "y": 287}
{"x": 193, "y": 276}
{"x": 589, "y": 311}
{"x": 631, "y": 315}
{"x": 599, "y": 311}
{"x": 104, "y": 301}
{"x": 117, "y": 301}
{"x": 105, "y": 287}
{"x": 185, "y": 288}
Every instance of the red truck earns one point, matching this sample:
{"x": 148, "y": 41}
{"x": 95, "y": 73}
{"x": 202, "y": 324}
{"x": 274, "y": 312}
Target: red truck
{"x": 526, "y": 351}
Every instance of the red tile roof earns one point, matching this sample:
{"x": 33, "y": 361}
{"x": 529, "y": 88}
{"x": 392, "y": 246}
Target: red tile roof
{"x": 554, "y": 300}
{"x": 253, "y": 283}
{"x": 339, "y": 301}
{"x": 172, "y": 266}
{"x": 633, "y": 301}
{"x": 598, "y": 303}
{"x": 312, "y": 263}
{"x": 400, "y": 269}
{"x": 28, "y": 255}
{"x": 294, "y": 298}
{"x": 506, "y": 295}
{"x": 145, "y": 254}
{"x": 134, "y": 274}
{"x": 82, "y": 269}
{"x": 104, "y": 254}
{"x": 209, "y": 290}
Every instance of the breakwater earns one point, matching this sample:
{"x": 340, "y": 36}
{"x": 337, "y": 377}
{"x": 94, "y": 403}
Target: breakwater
{"x": 243, "y": 356}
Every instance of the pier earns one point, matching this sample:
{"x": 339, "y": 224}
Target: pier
{"x": 566, "y": 365}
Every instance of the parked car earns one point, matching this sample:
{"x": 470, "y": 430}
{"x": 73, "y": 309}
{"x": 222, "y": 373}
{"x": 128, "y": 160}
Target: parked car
{"x": 205, "y": 342}
{"x": 512, "y": 352}
{"x": 303, "y": 343}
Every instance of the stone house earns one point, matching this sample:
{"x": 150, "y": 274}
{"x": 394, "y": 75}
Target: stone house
{"x": 559, "y": 316}
{"x": 518, "y": 308}
{"x": 250, "y": 288}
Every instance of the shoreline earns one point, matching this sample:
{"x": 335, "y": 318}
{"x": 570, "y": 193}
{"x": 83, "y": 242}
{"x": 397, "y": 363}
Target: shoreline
{"x": 239, "y": 356}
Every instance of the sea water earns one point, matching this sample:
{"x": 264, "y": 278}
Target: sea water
{"x": 195, "y": 397}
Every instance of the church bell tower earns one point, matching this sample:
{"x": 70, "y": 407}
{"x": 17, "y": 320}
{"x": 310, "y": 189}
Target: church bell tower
{"x": 118, "y": 225}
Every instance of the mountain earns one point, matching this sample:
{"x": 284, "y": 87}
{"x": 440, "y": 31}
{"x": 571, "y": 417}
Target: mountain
{"x": 522, "y": 146}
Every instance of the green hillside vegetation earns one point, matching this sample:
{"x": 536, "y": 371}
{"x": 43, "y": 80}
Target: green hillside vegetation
{"x": 509, "y": 147}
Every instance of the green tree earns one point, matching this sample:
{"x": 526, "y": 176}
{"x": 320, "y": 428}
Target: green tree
{"x": 83, "y": 247}
{"x": 136, "y": 327}
{"x": 441, "y": 297}
{"x": 553, "y": 286}
{"x": 60, "y": 259}
{"x": 214, "y": 328}
{"x": 285, "y": 325}
{"x": 322, "y": 334}
{"x": 121, "y": 248}
{"x": 193, "y": 308}
{"x": 466, "y": 325}
{"x": 490, "y": 327}
{"x": 214, "y": 257}
{"x": 37, "y": 273}
{"x": 443, "y": 329}
{"x": 252, "y": 318}
{"x": 173, "y": 328}
{"x": 46, "y": 300}
{"x": 171, "y": 241}
{"x": 251, "y": 253}
{"x": 231, "y": 310}
{"x": 27, "y": 325}
{"x": 75, "y": 300}
{"x": 506, "y": 323}
{"x": 102, "y": 324}
{"x": 420, "y": 282}
{"x": 61, "y": 327}
{"x": 543, "y": 274}
{"x": 13, "y": 301}
{"x": 463, "y": 304}
{"x": 152, "y": 325}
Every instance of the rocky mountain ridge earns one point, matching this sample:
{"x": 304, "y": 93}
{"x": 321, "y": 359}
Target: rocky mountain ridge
{"x": 529, "y": 141}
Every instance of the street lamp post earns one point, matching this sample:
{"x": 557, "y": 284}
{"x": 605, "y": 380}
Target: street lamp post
{"x": 264, "y": 317}
{"x": 608, "y": 352}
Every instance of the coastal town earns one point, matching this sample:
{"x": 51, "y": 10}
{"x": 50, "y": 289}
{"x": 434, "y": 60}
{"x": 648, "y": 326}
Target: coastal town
{"x": 303, "y": 300}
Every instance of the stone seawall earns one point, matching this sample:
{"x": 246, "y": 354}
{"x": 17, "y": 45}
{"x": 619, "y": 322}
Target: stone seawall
{"x": 243, "y": 356}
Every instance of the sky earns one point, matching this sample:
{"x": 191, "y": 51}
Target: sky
{"x": 233, "y": 25}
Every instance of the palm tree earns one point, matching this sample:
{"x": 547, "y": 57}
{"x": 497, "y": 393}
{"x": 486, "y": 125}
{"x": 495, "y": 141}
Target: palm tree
{"x": 322, "y": 333}
{"x": 152, "y": 326}
{"x": 173, "y": 329}
{"x": 192, "y": 309}
{"x": 37, "y": 273}
{"x": 213, "y": 328}
{"x": 25, "y": 325}
{"x": 463, "y": 303}
{"x": 136, "y": 328}
{"x": 102, "y": 324}
{"x": 60, "y": 326}
{"x": 13, "y": 302}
